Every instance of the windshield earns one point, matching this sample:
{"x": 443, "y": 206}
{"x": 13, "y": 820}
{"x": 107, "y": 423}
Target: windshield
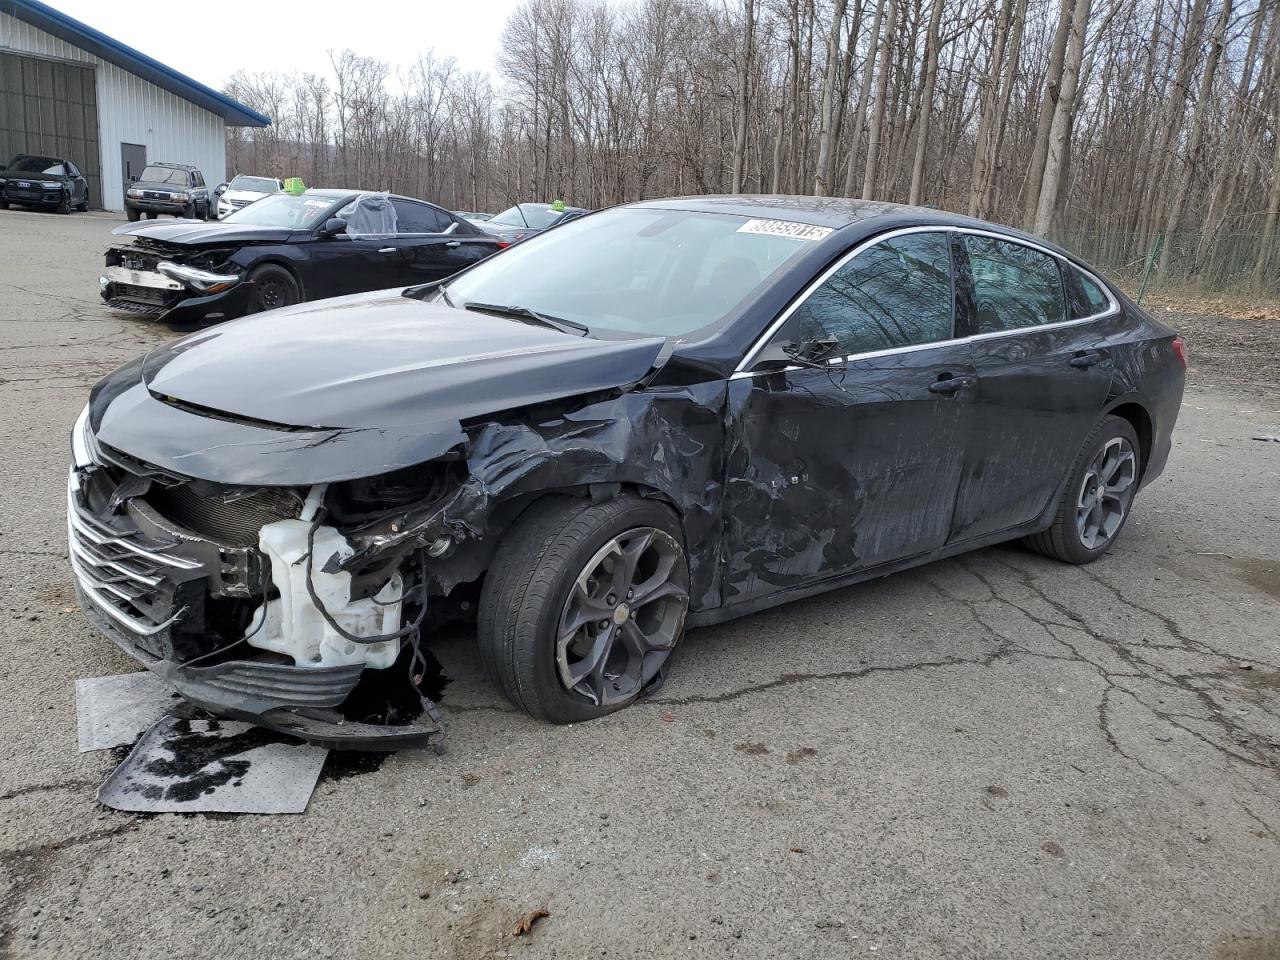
{"x": 254, "y": 184}
{"x": 300, "y": 212}
{"x": 634, "y": 270}
{"x": 50, "y": 166}
{"x": 535, "y": 216}
{"x": 164, "y": 175}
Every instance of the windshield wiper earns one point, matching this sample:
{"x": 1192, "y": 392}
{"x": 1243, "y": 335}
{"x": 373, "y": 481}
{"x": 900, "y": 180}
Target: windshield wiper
{"x": 525, "y": 315}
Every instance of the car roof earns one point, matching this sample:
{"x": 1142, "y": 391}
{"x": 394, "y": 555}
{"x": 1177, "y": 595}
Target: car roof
{"x": 869, "y": 216}
{"x": 173, "y": 166}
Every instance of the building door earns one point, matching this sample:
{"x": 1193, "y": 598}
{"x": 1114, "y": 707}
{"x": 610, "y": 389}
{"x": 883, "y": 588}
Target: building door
{"x": 50, "y": 107}
{"x": 133, "y": 158}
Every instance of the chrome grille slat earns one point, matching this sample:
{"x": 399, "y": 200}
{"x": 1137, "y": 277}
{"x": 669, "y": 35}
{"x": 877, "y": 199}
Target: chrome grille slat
{"x": 89, "y": 528}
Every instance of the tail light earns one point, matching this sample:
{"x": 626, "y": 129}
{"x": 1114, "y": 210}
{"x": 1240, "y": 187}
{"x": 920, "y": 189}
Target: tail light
{"x": 502, "y": 244}
{"x": 1180, "y": 351}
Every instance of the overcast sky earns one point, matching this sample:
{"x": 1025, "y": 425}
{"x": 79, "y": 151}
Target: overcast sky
{"x": 297, "y": 34}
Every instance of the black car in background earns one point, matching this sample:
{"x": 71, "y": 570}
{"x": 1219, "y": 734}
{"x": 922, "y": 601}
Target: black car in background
{"x": 283, "y": 249}
{"x": 674, "y": 412}
{"x": 177, "y": 189}
{"x": 53, "y": 183}
{"x": 526, "y": 219}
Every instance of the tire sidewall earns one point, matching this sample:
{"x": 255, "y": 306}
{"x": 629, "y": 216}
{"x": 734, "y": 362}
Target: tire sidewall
{"x": 1107, "y": 430}
{"x": 561, "y": 705}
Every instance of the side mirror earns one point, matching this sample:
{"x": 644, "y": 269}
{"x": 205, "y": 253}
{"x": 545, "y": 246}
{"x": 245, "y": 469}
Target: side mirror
{"x": 220, "y": 189}
{"x": 333, "y": 226}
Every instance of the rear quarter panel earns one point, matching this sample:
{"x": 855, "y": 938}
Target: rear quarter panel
{"x": 1146, "y": 371}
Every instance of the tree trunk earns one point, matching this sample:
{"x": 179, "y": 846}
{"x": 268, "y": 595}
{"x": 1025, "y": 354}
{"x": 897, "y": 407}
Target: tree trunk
{"x": 1055, "y": 166}
{"x": 877, "y": 116}
{"x": 744, "y": 102}
{"x": 1052, "y": 85}
{"x": 822, "y": 178}
{"x": 864, "y": 93}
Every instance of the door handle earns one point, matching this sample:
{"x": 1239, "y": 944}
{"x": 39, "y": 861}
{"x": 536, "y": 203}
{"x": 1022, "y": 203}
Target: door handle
{"x": 1085, "y": 359}
{"x": 453, "y": 243}
{"x": 387, "y": 250}
{"x": 948, "y": 384}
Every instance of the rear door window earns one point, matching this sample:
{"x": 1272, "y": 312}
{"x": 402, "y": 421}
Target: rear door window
{"x": 414, "y": 217}
{"x": 1014, "y": 286}
{"x": 897, "y": 293}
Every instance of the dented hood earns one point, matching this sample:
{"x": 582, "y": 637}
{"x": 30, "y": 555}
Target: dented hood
{"x": 383, "y": 360}
{"x": 343, "y": 388}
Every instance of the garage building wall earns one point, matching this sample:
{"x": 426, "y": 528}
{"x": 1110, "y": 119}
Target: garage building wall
{"x": 132, "y": 110}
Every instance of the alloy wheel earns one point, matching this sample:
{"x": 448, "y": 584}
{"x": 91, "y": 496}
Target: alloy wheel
{"x": 271, "y": 294}
{"x": 624, "y": 614}
{"x": 1106, "y": 492}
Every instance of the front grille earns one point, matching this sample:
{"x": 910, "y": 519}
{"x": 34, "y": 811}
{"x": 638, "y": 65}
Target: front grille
{"x": 234, "y": 522}
{"x": 238, "y": 203}
{"x": 122, "y": 573}
{"x": 152, "y": 296}
{"x": 115, "y": 303}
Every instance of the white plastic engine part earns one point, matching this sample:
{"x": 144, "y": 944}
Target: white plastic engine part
{"x": 293, "y": 624}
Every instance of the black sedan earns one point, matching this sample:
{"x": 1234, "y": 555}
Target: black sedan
{"x": 284, "y": 249}
{"x": 665, "y": 414}
{"x": 51, "y": 183}
{"x": 526, "y": 219}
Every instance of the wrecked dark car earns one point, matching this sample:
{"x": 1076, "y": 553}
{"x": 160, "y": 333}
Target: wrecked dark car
{"x": 662, "y": 415}
{"x": 285, "y": 249}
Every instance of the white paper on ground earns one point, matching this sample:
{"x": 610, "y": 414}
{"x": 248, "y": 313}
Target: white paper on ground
{"x": 214, "y": 766}
{"x": 113, "y": 711}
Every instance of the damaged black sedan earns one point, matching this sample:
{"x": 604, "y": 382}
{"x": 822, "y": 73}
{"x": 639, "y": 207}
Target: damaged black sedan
{"x": 662, "y": 415}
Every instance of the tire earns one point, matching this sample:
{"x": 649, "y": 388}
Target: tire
{"x": 189, "y": 211}
{"x": 274, "y": 287}
{"x": 4, "y": 204}
{"x": 83, "y": 207}
{"x": 1110, "y": 453}
{"x": 533, "y": 580}
{"x": 132, "y": 213}
{"x": 64, "y": 205}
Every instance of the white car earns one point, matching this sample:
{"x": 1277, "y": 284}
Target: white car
{"x": 243, "y": 190}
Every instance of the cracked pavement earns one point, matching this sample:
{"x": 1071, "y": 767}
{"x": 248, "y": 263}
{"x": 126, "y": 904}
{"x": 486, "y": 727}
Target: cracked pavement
{"x": 992, "y": 756}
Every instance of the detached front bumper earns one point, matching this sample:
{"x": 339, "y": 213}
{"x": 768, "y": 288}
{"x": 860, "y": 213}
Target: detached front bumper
{"x": 144, "y": 583}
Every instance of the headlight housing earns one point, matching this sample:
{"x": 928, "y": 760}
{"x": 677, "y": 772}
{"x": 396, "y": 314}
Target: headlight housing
{"x": 51, "y": 184}
{"x": 177, "y": 196}
{"x": 201, "y": 280}
{"x": 135, "y": 194}
{"x": 83, "y": 444}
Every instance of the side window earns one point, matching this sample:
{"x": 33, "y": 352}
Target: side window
{"x": 57, "y": 170}
{"x": 72, "y": 170}
{"x": 414, "y": 217}
{"x": 1013, "y": 286}
{"x": 1086, "y": 298}
{"x": 897, "y": 293}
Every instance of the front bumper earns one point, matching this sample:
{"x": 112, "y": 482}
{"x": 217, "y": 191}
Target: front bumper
{"x": 167, "y": 300}
{"x": 32, "y": 198}
{"x": 144, "y": 583}
{"x": 174, "y": 207}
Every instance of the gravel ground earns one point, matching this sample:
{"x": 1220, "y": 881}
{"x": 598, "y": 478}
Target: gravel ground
{"x": 993, "y": 756}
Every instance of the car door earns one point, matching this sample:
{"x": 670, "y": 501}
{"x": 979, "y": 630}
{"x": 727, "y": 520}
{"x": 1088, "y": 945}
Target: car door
{"x": 432, "y": 243}
{"x": 846, "y": 463}
{"x": 1043, "y": 376}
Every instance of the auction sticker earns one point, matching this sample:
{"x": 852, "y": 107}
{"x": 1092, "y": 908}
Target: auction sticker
{"x": 785, "y": 228}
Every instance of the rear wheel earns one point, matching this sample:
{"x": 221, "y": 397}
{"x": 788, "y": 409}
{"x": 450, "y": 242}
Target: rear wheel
{"x": 273, "y": 287}
{"x": 583, "y": 605}
{"x": 1098, "y": 495}
{"x": 83, "y": 207}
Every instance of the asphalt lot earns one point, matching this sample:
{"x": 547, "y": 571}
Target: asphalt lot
{"x": 994, "y": 756}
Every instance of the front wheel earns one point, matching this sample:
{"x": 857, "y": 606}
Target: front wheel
{"x": 273, "y": 287}
{"x": 64, "y": 205}
{"x": 1098, "y": 496}
{"x": 583, "y": 605}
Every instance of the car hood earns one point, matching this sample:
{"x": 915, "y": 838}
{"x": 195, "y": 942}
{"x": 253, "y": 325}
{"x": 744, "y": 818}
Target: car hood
{"x": 198, "y": 232}
{"x": 344, "y": 388}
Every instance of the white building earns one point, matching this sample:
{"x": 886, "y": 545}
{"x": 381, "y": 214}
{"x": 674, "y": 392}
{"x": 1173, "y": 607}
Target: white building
{"x": 69, "y": 91}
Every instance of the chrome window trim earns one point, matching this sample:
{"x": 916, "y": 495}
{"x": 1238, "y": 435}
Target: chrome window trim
{"x": 742, "y": 371}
